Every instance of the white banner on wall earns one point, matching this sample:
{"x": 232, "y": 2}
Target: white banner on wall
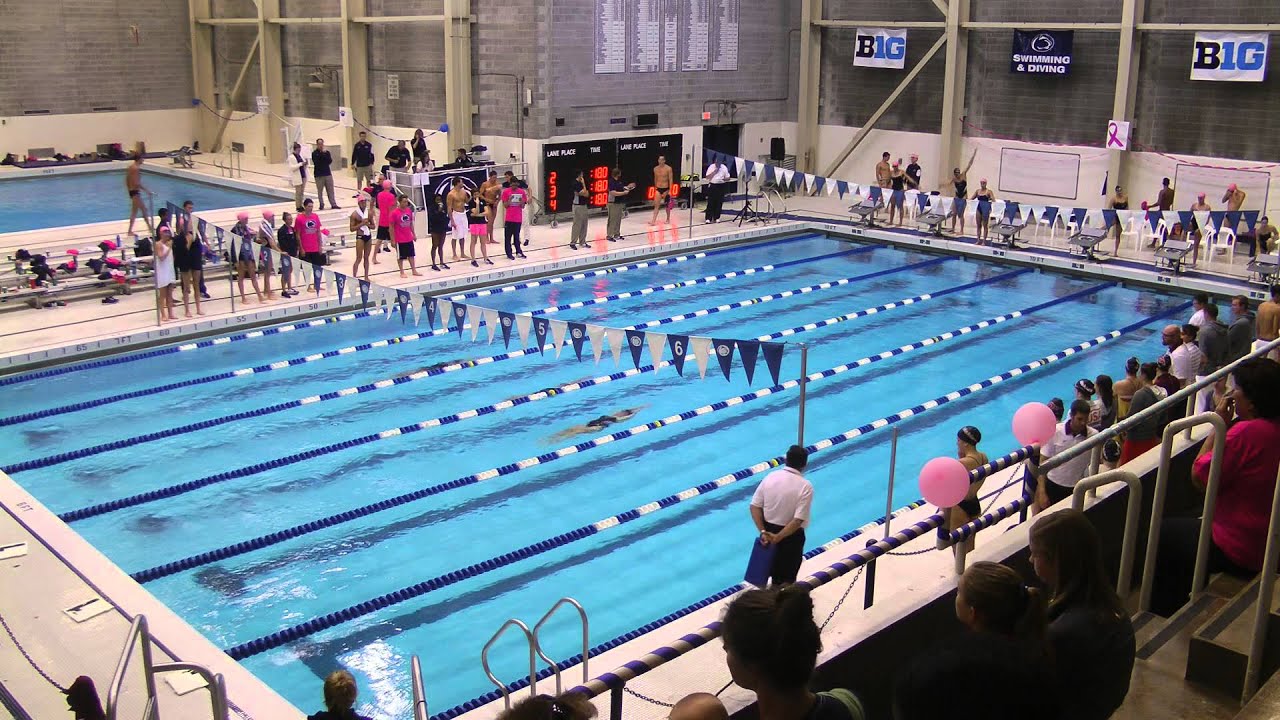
{"x": 880, "y": 47}
{"x": 1233, "y": 57}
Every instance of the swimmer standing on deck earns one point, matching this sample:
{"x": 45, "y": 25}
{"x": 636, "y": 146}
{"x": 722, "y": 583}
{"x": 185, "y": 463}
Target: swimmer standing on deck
{"x": 133, "y": 183}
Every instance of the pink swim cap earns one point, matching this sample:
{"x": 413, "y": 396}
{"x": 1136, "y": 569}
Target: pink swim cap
{"x": 242, "y": 216}
{"x": 1232, "y": 187}
{"x": 268, "y": 215}
{"x": 386, "y": 184}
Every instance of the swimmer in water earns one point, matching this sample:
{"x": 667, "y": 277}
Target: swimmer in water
{"x": 429, "y": 368}
{"x": 598, "y": 424}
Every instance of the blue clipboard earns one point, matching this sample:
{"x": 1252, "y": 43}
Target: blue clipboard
{"x": 760, "y": 563}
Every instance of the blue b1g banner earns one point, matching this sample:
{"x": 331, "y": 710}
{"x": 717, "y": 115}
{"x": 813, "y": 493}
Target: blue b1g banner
{"x": 1041, "y": 52}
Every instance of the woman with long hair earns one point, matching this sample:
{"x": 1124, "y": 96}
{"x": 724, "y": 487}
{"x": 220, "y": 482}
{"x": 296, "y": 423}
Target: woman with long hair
{"x": 771, "y": 645}
{"x": 1089, "y": 633}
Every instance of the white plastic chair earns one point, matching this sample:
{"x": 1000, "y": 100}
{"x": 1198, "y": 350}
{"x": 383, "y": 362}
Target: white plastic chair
{"x": 1222, "y": 243}
{"x": 1134, "y": 230}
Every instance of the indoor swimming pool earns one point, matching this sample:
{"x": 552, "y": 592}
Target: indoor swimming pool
{"x": 284, "y": 480}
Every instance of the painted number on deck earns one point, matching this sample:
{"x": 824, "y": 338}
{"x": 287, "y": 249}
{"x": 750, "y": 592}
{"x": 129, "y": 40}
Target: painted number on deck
{"x": 1077, "y": 266}
{"x": 997, "y": 253}
{"x": 1037, "y": 259}
{"x": 1164, "y": 279}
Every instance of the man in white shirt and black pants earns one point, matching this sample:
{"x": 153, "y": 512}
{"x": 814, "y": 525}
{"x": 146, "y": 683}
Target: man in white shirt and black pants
{"x": 1061, "y": 481}
{"x": 780, "y": 509}
{"x": 717, "y": 185}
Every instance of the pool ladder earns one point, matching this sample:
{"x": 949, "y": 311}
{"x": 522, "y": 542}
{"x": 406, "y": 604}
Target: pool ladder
{"x": 535, "y": 649}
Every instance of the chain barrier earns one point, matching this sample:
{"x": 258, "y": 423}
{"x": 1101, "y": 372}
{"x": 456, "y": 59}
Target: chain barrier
{"x": 27, "y": 656}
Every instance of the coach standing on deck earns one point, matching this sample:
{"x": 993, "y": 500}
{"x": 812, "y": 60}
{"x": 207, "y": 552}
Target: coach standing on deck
{"x": 717, "y": 183}
{"x": 780, "y": 509}
{"x": 362, "y": 158}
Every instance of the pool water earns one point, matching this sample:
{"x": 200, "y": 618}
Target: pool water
{"x": 625, "y": 576}
{"x": 58, "y": 200}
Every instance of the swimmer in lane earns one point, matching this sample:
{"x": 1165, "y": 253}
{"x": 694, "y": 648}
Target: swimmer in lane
{"x": 598, "y": 424}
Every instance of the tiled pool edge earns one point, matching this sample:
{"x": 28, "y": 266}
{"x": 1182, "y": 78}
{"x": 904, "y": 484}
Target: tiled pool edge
{"x": 169, "y": 631}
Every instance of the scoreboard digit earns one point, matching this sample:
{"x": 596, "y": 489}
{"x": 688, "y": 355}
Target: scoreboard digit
{"x": 638, "y": 156}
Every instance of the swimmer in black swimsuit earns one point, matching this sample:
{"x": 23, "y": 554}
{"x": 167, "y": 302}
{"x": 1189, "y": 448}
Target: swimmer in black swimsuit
{"x": 972, "y": 458}
{"x": 599, "y": 423}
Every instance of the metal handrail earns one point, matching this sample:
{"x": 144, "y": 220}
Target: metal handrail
{"x": 419, "y": 691}
{"x": 533, "y": 663}
{"x": 137, "y": 629}
{"x": 138, "y": 632}
{"x": 1162, "y": 489}
{"x": 217, "y": 686}
{"x": 1178, "y": 397}
{"x": 1132, "y": 512}
{"x": 586, "y": 648}
{"x": 1266, "y": 584}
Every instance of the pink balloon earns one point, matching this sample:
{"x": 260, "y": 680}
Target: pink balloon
{"x": 944, "y": 482}
{"x": 1034, "y": 423}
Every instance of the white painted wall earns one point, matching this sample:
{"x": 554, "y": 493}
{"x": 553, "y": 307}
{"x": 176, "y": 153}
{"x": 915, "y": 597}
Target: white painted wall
{"x": 161, "y": 130}
{"x": 1144, "y": 169}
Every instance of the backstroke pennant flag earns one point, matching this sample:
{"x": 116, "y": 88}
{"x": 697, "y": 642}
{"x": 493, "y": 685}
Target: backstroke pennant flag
{"x": 403, "y": 299}
{"x": 577, "y": 335}
{"x": 429, "y": 304}
{"x": 459, "y": 316}
{"x": 635, "y": 343}
{"x": 679, "y": 345}
{"x": 595, "y": 333}
{"x": 474, "y": 313}
{"x": 772, "y": 358}
{"x": 523, "y": 323}
{"x": 749, "y": 350}
{"x": 364, "y": 293}
{"x": 317, "y": 273}
{"x": 656, "y": 342}
{"x": 491, "y": 323}
{"x": 506, "y": 320}
{"x": 724, "y": 353}
{"x": 541, "y": 329}
{"x": 701, "y": 348}
{"x": 444, "y": 311}
{"x": 341, "y": 280}
{"x": 559, "y": 328}
{"x": 615, "y": 338}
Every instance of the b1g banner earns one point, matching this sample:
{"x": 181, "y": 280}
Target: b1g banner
{"x": 1041, "y": 52}
{"x": 1233, "y": 57}
{"x": 880, "y": 47}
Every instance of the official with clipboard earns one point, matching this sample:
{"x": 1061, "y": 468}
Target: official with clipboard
{"x": 780, "y": 509}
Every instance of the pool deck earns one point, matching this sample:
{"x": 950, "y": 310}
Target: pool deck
{"x": 65, "y": 569}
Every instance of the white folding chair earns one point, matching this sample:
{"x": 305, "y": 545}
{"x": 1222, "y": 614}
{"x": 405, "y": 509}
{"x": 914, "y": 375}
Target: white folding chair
{"x": 1222, "y": 244}
{"x": 1134, "y": 230}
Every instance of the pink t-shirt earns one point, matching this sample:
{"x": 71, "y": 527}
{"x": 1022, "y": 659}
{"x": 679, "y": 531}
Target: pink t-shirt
{"x": 386, "y": 205}
{"x": 401, "y": 220}
{"x": 307, "y": 225}
{"x": 1246, "y": 486}
{"x": 514, "y": 198}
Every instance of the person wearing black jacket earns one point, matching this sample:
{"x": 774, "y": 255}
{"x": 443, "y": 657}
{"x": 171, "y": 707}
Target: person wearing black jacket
{"x": 287, "y": 241}
{"x": 322, "y": 170}
{"x": 362, "y": 158}
{"x": 437, "y": 228}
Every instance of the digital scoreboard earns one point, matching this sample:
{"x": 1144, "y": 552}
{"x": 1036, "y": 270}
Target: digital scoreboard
{"x": 636, "y": 156}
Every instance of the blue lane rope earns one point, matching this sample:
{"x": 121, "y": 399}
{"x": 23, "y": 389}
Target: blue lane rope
{"x": 367, "y": 510}
{"x": 186, "y": 347}
{"x": 81, "y": 453}
{"x": 281, "y": 364}
{"x": 324, "y": 622}
{"x": 181, "y": 488}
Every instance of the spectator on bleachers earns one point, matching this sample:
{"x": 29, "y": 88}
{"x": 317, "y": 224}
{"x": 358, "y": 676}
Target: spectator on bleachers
{"x": 771, "y": 645}
{"x": 1058, "y": 484}
{"x": 1089, "y": 630}
{"x": 699, "y": 706}
{"x": 566, "y": 706}
{"x": 1059, "y": 409}
{"x": 339, "y": 698}
{"x": 287, "y": 243}
{"x": 1247, "y": 483}
{"x": 1198, "y": 301}
{"x": 1124, "y": 389}
{"x": 1146, "y": 434}
{"x": 998, "y": 669}
{"x": 1106, "y": 402}
{"x": 1240, "y": 331}
{"x": 246, "y": 264}
{"x": 164, "y": 275}
{"x": 1085, "y": 390}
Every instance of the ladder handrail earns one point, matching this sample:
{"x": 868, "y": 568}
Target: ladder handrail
{"x": 419, "y": 691}
{"x": 215, "y": 682}
{"x": 1162, "y": 490}
{"x": 1266, "y": 584}
{"x": 1132, "y": 512}
{"x": 533, "y": 663}
{"x": 537, "y": 645}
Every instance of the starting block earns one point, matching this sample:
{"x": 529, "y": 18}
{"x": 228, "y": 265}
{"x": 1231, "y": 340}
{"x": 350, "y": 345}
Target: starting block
{"x": 1085, "y": 241}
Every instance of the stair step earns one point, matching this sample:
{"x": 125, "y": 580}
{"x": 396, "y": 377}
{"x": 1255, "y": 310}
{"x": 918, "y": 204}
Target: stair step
{"x": 1265, "y": 705}
{"x": 1219, "y": 650}
{"x": 1158, "y": 632}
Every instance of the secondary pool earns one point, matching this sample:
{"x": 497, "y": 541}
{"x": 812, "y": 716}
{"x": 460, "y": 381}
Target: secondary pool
{"x": 60, "y": 199}
{"x": 315, "y": 447}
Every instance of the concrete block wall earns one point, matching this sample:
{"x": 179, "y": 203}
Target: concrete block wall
{"x": 511, "y": 40}
{"x": 303, "y": 48}
{"x": 415, "y": 55}
{"x": 851, "y": 94}
{"x": 764, "y": 84}
{"x": 1072, "y": 109}
{"x": 231, "y": 47}
{"x": 83, "y": 57}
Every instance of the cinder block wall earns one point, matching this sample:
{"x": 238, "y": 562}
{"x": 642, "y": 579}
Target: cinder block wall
{"x": 73, "y": 57}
